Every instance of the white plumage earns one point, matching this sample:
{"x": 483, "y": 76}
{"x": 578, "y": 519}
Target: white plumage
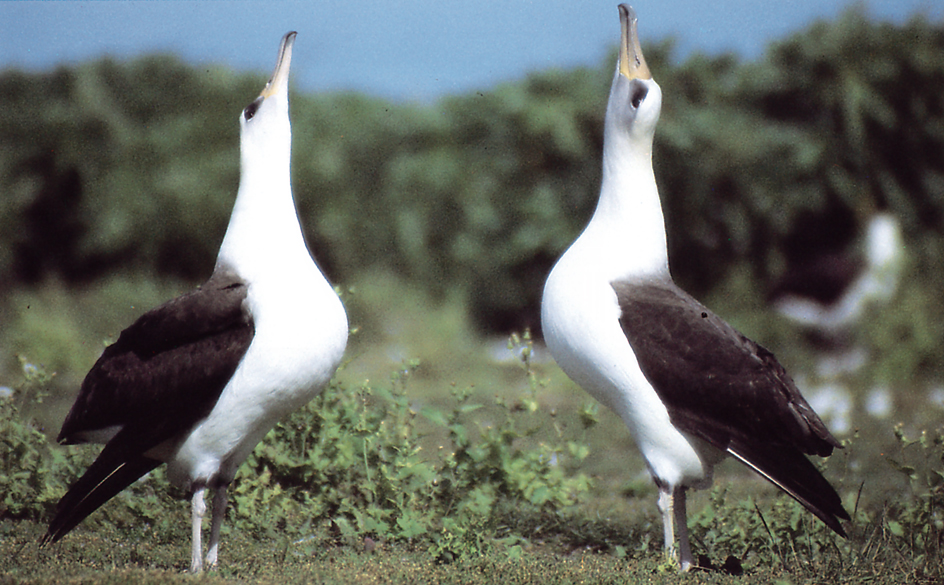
{"x": 200, "y": 380}
{"x": 688, "y": 386}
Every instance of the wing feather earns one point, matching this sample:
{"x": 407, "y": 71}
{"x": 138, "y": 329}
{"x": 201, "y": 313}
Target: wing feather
{"x": 168, "y": 368}
{"x": 722, "y": 387}
{"x": 163, "y": 375}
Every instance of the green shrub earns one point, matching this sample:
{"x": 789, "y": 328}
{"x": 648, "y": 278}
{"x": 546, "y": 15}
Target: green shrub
{"x": 761, "y": 165}
{"x": 916, "y": 523}
{"x": 31, "y": 472}
{"x": 351, "y": 465}
{"x": 347, "y": 467}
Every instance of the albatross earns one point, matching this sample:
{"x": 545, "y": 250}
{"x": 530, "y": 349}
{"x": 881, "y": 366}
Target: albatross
{"x": 690, "y": 388}
{"x": 198, "y": 381}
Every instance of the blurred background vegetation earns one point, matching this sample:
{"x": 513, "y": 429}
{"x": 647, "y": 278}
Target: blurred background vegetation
{"x": 117, "y": 180}
{"x": 439, "y": 222}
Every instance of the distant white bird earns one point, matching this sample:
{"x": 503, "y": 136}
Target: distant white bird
{"x": 846, "y": 287}
{"x": 197, "y": 382}
{"x": 690, "y": 388}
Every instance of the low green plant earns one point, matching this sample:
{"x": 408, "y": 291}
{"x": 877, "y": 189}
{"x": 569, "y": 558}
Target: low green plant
{"x": 503, "y": 460}
{"x": 903, "y": 534}
{"x": 782, "y": 533}
{"x": 30, "y": 471}
{"x": 372, "y": 468}
{"x": 34, "y": 473}
{"x": 349, "y": 468}
{"x": 351, "y": 465}
{"x": 915, "y": 524}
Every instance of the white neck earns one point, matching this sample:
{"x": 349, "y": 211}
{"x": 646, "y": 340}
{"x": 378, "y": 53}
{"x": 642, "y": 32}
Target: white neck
{"x": 264, "y": 228}
{"x": 627, "y": 227}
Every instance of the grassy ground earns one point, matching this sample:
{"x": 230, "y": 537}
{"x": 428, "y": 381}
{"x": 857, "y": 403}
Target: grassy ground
{"x": 107, "y": 555}
{"x": 115, "y": 561}
{"x": 612, "y": 535}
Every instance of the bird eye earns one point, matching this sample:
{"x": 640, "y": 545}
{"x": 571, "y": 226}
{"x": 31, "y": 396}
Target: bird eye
{"x": 639, "y": 93}
{"x": 250, "y": 110}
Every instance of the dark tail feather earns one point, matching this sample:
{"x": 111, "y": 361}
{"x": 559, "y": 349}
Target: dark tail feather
{"x": 107, "y": 476}
{"x": 791, "y": 471}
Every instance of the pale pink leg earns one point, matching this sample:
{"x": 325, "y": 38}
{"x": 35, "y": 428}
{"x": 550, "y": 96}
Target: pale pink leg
{"x": 197, "y": 510}
{"x": 219, "y": 513}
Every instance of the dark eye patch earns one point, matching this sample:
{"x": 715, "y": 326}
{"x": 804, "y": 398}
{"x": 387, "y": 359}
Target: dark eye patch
{"x": 250, "y": 110}
{"x": 638, "y": 93}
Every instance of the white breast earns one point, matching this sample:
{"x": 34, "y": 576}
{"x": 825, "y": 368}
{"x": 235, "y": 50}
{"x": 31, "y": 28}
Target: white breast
{"x": 301, "y": 333}
{"x": 580, "y": 319}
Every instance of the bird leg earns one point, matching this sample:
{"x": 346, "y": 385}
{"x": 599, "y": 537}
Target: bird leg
{"x": 219, "y": 513}
{"x": 685, "y": 550}
{"x": 197, "y": 510}
{"x": 671, "y": 504}
{"x": 666, "y": 506}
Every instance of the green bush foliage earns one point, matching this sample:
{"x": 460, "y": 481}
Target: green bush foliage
{"x": 351, "y": 464}
{"x": 902, "y": 535}
{"x": 133, "y": 165}
{"x": 113, "y": 165}
{"x": 30, "y": 470}
{"x": 916, "y": 524}
{"x": 347, "y": 467}
{"x": 349, "y": 470}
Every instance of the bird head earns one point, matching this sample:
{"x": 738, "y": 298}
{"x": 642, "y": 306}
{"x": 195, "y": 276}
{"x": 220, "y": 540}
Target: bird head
{"x": 270, "y": 109}
{"x": 635, "y": 98}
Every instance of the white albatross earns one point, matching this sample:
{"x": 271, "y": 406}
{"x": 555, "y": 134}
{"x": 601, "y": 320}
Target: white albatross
{"x": 690, "y": 388}
{"x": 198, "y": 381}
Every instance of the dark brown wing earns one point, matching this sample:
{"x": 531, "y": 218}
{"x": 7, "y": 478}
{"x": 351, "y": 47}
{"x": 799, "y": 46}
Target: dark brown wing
{"x": 729, "y": 391}
{"x": 168, "y": 366}
{"x": 163, "y": 375}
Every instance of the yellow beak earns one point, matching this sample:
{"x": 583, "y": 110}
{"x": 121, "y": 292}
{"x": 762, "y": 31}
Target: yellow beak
{"x": 279, "y": 79}
{"x": 632, "y": 65}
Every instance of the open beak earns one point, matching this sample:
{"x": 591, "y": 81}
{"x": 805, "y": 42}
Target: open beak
{"x": 632, "y": 65}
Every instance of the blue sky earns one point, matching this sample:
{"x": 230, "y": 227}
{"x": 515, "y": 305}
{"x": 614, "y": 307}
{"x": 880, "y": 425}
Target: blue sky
{"x": 403, "y": 50}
